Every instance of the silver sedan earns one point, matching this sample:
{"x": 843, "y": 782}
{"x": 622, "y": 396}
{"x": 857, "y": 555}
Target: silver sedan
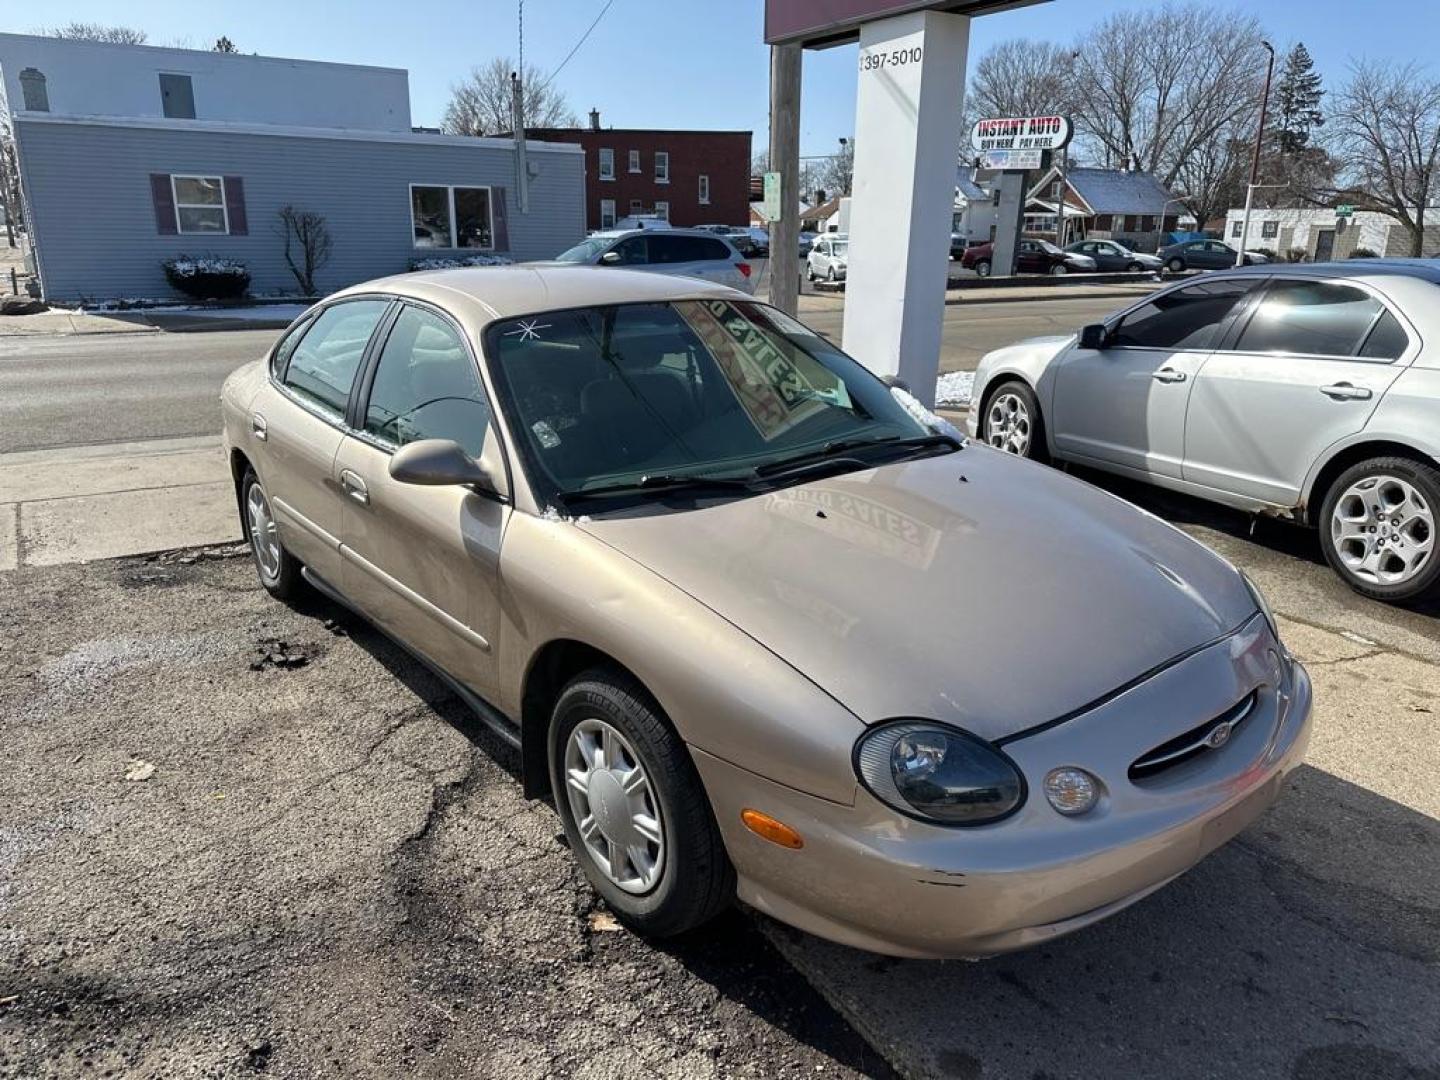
{"x": 1305, "y": 392}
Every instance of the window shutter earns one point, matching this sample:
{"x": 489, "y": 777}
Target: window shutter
{"x": 164, "y": 200}
{"x": 235, "y": 206}
{"x": 501, "y": 219}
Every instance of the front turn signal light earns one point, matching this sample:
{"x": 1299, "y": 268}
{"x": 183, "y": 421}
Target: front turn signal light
{"x": 767, "y": 828}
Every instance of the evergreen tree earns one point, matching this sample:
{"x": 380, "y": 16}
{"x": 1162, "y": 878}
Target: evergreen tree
{"x": 1297, "y": 101}
{"x": 224, "y": 44}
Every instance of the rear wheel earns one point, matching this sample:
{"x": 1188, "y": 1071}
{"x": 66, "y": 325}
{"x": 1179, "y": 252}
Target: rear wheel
{"x": 1175, "y": 265}
{"x": 1011, "y": 421}
{"x": 633, "y": 807}
{"x": 1134, "y": 266}
{"x": 1377, "y": 527}
{"x": 982, "y": 268}
{"x": 279, "y": 571}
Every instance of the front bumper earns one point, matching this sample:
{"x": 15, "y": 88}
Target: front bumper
{"x": 870, "y": 878}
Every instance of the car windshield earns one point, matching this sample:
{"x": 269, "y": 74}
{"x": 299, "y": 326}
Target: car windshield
{"x": 839, "y": 247}
{"x": 624, "y": 394}
{"x": 1049, "y": 248}
{"x": 585, "y": 251}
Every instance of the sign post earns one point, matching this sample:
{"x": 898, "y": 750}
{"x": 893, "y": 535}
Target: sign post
{"x": 1016, "y": 145}
{"x": 1344, "y": 210}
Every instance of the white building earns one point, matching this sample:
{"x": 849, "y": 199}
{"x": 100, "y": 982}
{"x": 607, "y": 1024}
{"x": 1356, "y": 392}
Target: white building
{"x": 973, "y": 218}
{"x": 1321, "y": 234}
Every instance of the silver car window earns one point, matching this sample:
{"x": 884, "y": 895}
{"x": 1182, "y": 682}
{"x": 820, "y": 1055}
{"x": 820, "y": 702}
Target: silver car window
{"x": 1314, "y": 318}
{"x": 1187, "y": 318}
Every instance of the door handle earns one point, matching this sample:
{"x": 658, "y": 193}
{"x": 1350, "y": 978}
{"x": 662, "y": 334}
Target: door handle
{"x": 257, "y": 426}
{"x": 1344, "y": 391}
{"x": 354, "y": 487}
{"x": 1168, "y": 375}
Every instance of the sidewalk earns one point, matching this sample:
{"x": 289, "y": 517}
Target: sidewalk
{"x": 151, "y": 320}
{"x": 98, "y": 502}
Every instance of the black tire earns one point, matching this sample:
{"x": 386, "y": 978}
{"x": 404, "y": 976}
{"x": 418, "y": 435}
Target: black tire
{"x": 1059, "y": 270}
{"x": 1036, "y": 449}
{"x": 1425, "y": 478}
{"x": 1175, "y": 265}
{"x": 982, "y": 268}
{"x": 830, "y": 275}
{"x": 286, "y": 582}
{"x": 1133, "y": 267}
{"x": 696, "y": 880}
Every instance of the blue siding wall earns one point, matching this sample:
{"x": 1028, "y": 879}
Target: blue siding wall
{"x": 88, "y": 187}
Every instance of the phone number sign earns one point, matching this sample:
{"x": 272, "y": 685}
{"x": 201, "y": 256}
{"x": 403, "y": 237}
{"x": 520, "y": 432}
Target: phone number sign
{"x": 1021, "y": 133}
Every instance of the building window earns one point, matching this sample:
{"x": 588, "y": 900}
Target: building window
{"x": 704, "y": 190}
{"x": 607, "y": 213}
{"x": 177, "y": 96}
{"x": 635, "y": 161}
{"x": 662, "y": 210}
{"x": 607, "y": 163}
{"x": 662, "y": 167}
{"x": 1147, "y": 223}
{"x": 199, "y": 204}
{"x": 1235, "y": 228}
{"x": 1270, "y": 229}
{"x": 451, "y": 217}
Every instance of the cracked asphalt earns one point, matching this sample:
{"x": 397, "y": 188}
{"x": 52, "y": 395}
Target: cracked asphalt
{"x": 327, "y": 870}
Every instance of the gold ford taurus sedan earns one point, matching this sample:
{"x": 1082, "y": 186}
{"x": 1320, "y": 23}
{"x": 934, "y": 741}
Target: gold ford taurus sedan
{"x": 761, "y": 627}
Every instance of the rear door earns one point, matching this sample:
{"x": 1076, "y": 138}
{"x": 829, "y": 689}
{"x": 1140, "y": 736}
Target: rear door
{"x": 424, "y": 561}
{"x": 299, "y": 418}
{"x": 1125, "y": 404}
{"x": 1305, "y": 369}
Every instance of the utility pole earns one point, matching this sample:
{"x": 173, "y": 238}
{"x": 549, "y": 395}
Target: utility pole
{"x": 1255, "y": 158}
{"x": 1061, "y": 162}
{"x": 517, "y": 124}
{"x": 785, "y": 159}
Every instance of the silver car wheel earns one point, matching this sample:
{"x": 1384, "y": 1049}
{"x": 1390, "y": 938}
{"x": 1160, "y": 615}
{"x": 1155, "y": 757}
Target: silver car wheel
{"x": 1008, "y": 425}
{"x": 264, "y": 535}
{"x": 1383, "y": 530}
{"x": 615, "y": 810}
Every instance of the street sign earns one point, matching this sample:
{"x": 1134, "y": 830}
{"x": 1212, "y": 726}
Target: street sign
{"x": 1344, "y": 210}
{"x": 1021, "y": 133}
{"x": 1003, "y": 160}
{"x": 770, "y": 208}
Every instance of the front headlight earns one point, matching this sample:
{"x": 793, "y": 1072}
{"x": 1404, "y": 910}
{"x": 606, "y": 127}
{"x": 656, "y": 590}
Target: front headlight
{"x": 1261, "y": 603}
{"x": 937, "y": 773}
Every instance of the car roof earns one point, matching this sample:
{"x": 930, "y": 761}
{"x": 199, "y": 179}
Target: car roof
{"x": 1424, "y": 269}
{"x": 616, "y": 234}
{"x": 478, "y": 295}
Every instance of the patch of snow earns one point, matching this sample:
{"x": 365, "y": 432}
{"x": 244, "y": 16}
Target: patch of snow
{"x": 446, "y": 263}
{"x": 551, "y": 514}
{"x": 188, "y": 267}
{"x": 954, "y": 388}
{"x": 287, "y": 312}
{"x": 915, "y": 408}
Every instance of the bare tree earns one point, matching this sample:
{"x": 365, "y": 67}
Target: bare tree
{"x": 113, "y": 35}
{"x": 1020, "y": 78}
{"x": 1385, "y": 131}
{"x": 306, "y": 231}
{"x": 837, "y": 172}
{"x": 223, "y": 44}
{"x": 480, "y": 103}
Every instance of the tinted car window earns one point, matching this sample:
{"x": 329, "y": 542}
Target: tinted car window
{"x": 426, "y": 386}
{"x": 632, "y": 251}
{"x": 1185, "y": 319}
{"x": 323, "y": 365}
{"x": 714, "y": 249}
{"x": 1318, "y": 318}
{"x": 1388, "y": 341}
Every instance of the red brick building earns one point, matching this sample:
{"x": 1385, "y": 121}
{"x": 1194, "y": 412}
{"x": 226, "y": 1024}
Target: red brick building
{"x": 690, "y": 177}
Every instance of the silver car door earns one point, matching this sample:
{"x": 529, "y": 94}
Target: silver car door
{"x": 1306, "y": 370}
{"x": 1124, "y": 405}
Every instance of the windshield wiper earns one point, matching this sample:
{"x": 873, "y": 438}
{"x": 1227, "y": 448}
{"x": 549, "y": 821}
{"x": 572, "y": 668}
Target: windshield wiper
{"x": 663, "y": 482}
{"x": 845, "y": 449}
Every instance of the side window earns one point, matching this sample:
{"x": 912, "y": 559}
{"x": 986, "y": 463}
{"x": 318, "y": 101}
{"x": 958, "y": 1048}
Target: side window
{"x": 1313, "y": 317}
{"x": 1187, "y": 318}
{"x": 632, "y": 251}
{"x": 714, "y": 249}
{"x": 1388, "y": 341}
{"x": 671, "y": 249}
{"x": 323, "y": 364}
{"x": 281, "y": 356}
{"x": 426, "y": 386}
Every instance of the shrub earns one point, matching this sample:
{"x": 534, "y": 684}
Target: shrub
{"x": 1269, "y": 253}
{"x": 1296, "y": 254}
{"x": 447, "y": 263}
{"x": 1364, "y": 253}
{"x": 208, "y": 278}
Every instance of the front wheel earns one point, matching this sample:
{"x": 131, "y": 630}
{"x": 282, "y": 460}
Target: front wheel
{"x": 830, "y": 275}
{"x": 1059, "y": 270}
{"x": 1133, "y": 267}
{"x": 279, "y": 571}
{"x": 1012, "y": 421}
{"x": 633, "y": 808}
{"x": 982, "y": 268}
{"x": 1377, "y": 527}
{"x": 1175, "y": 265}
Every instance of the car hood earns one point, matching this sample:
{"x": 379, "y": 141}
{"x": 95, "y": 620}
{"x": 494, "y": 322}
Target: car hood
{"x": 974, "y": 587}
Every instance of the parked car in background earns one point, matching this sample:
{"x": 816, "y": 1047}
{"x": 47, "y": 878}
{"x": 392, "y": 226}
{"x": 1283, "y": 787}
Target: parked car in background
{"x": 686, "y": 252}
{"x": 1031, "y": 257}
{"x": 807, "y": 241}
{"x": 1205, "y": 255}
{"x": 1308, "y": 392}
{"x": 742, "y": 237}
{"x": 828, "y": 258}
{"x": 711, "y": 580}
{"x": 1111, "y": 255}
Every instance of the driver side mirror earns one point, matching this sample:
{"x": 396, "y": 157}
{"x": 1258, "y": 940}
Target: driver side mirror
{"x": 1094, "y": 336}
{"x": 441, "y": 463}
{"x": 610, "y": 258}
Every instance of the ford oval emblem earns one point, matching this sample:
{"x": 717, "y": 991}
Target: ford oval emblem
{"x": 1218, "y": 737}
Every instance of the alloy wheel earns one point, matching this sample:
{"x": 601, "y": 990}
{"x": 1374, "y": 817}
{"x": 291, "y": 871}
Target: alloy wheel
{"x": 614, "y": 805}
{"x": 264, "y": 536}
{"x": 1383, "y": 529}
{"x": 1008, "y": 425}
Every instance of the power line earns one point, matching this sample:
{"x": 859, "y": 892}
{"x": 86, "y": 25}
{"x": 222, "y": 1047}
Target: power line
{"x": 573, "y": 51}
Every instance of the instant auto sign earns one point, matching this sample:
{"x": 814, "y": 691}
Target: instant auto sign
{"x": 1021, "y": 133}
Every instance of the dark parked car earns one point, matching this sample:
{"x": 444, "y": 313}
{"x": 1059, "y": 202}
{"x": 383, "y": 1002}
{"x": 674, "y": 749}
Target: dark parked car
{"x": 1205, "y": 255}
{"x": 1111, "y": 255}
{"x": 1031, "y": 257}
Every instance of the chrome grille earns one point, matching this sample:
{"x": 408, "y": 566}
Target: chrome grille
{"x": 1214, "y": 734}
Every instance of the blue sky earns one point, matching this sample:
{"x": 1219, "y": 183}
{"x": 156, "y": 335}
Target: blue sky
{"x": 667, "y": 63}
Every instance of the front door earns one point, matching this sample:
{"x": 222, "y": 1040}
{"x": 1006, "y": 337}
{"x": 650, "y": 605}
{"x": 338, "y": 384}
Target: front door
{"x": 298, "y": 418}
{"x": 1125, "y": 405}
{"x": 1324, "y": 245}
{"x": 1308, "y": 369}
{"x": 424, "y": 561}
